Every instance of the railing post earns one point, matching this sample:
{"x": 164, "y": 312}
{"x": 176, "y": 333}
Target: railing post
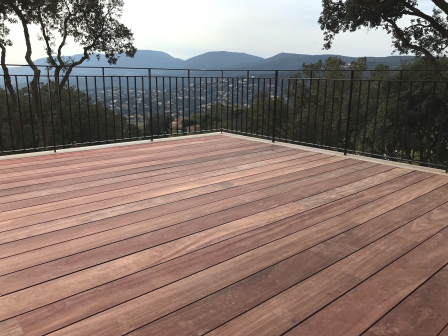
{"x": 150, "y": 104}
{"x": 347, "y": 131}
{"x": 275, "y": 105}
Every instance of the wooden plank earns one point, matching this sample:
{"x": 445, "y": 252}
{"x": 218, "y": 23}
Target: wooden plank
{"x": 83, "y": 177}
{"x": 114, "y": 207}
{"x": 137, "y": 283}
{"x": 56, "y": 160}
{"x": 299, "y": 302}
{"x": 49, "y": 156}
{"x": 30, "y": 300}
{"x": 424, "y": 312}
{"x": 19, "y": 201}
{"x": 141, "y": 173}
{"x": 267, "y": 187}
{"x": 146, "y": 239}
{"x": 363, "y": 305}
{"x": 444, "y": 332}
{"x": 50, "y": 211}
{"x": 48, "y": 177}
{"x": 11, "y": 177}
{"x": 216, "y": 309}
{"x": 10, "y": 173}
{"x": 135, "y": 313}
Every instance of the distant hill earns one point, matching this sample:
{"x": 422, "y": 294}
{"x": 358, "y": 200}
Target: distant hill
{"x": 211, "y": 61}
{"x": 285, "y": 61}
{"x": 220, "y": 60}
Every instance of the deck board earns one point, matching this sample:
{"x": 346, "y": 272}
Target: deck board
{"x": 221, "y": 236}
{"x": 425, "y": 311}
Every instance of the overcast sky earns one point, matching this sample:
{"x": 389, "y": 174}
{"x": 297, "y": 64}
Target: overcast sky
{"x": 263, "y": 28}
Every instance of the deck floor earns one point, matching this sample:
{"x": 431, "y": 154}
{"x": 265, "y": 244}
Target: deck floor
{"x": 220, "y": 235}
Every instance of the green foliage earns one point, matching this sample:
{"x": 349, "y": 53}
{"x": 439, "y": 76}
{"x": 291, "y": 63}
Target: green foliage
{"x": 71, "y": 120}
{"x": 405, "y": 119}
{"x": 412, "y": 30}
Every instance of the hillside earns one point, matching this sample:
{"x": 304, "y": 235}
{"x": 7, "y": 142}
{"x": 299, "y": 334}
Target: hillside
{"x": 211, "y": 60}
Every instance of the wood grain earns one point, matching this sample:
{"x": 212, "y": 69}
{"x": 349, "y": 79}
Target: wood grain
{"x": 424, "y": 312}
{"x": 269, "y": 187}
{"x": 219, "y": 235}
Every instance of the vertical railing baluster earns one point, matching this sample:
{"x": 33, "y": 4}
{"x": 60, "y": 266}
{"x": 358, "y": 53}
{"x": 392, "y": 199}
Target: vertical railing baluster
{"x": 51, "y": 109}
{"x": 309, "y": 107}
{"x": 79, "y": 111}
{"x": 316, "y": 112}
{"x": 366, "y": 117}
{"x": 177, "y": 106}
{"x": 263, "y": 109}
{"x": 136, "y": 105}
{"x": 183, "y": 104}
{"x": 406, "y": 121}
{"x": 347, "y": 131}
{"x": 105, "y": 106}
{"x": 383, "y": 147}
{"x": 143, "y": 108}
{"x": 340, "y": 113}
{"x": 60, "y": 111}
{"x": 376, "y": 116}
{"x": 394, "y": 135}
{"x": 70, "y": 108}
{"x": 294, "y": 110}
{"x": 275, "y": 106}
{"x": 113, "y": 107}
{"x": 200, "y": 105}
{"x": 97, "y": 111}
{"x": 20, "y": 114}
{"x": 322, "y": 141}
{"x": 301, "y": 108}
{"x": 332, "y": 113}
{"x": 150, "y": 104}
{"x": 121, "y": 108}
{"x": 227, "y": 103}
{"x": 31, "y": 115}
{"x": 357, "y": 116}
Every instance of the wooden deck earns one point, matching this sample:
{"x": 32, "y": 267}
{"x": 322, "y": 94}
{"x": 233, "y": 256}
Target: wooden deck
{"x": 220, "y": 236}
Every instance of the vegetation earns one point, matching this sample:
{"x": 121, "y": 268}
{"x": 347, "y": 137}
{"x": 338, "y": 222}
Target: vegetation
{"x": 412, "y": 30}
{"x": 399, "y": 115}
{"x": 92, "y": 24}
{"x": 69, "y": 119}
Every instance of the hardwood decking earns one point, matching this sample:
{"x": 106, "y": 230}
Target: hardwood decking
{"x": 220, "y": 236}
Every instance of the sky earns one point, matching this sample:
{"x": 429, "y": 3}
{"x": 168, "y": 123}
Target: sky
{"x": 263, "y": 28}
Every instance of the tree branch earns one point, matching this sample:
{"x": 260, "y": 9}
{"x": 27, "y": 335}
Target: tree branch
{"x": 399, "y": 34}
{"x": 6, "y": 74}
{"x": 430, "y": 19}
{"x": 45, "y": 37}
{"x": 26, "y": 33}
{"x": 442, "y": 4}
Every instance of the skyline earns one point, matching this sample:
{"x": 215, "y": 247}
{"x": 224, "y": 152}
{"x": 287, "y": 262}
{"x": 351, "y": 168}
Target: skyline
{"x": 263, "y": 28}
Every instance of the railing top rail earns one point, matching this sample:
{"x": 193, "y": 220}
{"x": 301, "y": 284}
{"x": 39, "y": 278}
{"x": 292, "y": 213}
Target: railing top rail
{"x": 246, "y": 78}
{"x": 226, "y": 70}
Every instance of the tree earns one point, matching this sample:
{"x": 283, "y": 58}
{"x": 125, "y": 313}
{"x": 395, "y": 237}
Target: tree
{"x": 93, "y": 24}
{"x": 425, "y": 35}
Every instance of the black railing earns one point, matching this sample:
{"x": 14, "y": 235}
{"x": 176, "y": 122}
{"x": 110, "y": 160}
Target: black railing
{"x": 400, "y": 116}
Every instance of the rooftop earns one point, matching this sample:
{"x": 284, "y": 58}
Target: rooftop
{"x": 221, "y": 235}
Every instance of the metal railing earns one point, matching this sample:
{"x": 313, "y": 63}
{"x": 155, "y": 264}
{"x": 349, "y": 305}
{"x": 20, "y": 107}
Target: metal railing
{"x": 400, "y": 116}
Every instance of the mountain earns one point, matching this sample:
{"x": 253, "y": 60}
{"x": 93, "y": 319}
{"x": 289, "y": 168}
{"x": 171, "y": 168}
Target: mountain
{"x": 211, "y": 60}
{"x": 220, "y": 60}
{"x": 285, "y": 61}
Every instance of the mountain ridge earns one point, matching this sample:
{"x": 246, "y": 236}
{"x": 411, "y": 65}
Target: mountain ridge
{"x": 213, "y": 60}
